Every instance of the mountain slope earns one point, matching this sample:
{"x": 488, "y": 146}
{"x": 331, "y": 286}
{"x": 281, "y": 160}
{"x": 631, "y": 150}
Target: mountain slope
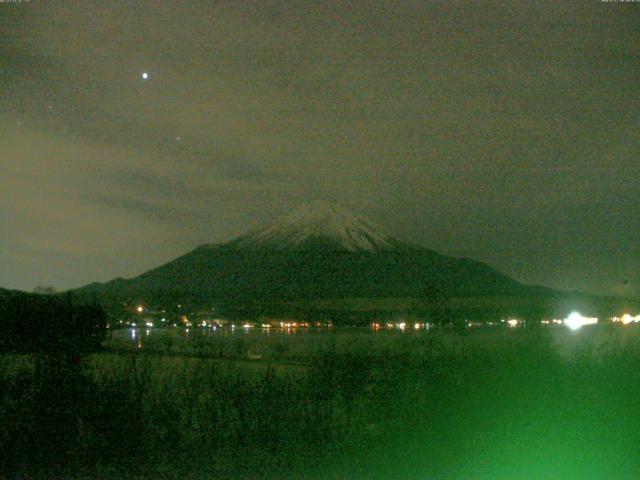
{"x": 319, "y": 251}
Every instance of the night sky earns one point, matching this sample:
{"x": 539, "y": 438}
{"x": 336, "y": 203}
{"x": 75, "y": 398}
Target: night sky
{"x": 505, "y": 131}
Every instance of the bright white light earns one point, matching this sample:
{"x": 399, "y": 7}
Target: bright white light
{"x": 574, "y": 321}
{"x": 149, "y": 324}
{"x": 513, "y": 322}
{"x": 139, "y": 309}
{"x": 402, "y": 325}
{"x": 145, "y": 75}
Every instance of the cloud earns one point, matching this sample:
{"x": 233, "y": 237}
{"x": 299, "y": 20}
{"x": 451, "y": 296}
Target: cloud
{"x": 506, "y": 131}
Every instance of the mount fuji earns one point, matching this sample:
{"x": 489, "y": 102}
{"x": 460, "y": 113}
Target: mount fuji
{"x": 319, "y": 252}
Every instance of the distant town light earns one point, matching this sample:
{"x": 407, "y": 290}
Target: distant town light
{"x": 139, "y": 309}
{"x": 513, "y": 322}
{"x": 626, "y": 319}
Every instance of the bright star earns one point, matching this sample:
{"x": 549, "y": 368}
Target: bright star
{"x": 145, "y": 75}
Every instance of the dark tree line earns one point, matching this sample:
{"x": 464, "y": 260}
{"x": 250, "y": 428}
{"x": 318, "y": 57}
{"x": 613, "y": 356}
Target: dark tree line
{"x": 50, "y": 324}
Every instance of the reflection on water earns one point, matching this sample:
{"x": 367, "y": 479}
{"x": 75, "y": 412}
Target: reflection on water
{"x": 297, "y": 344}
{"x": 138, "y": 336}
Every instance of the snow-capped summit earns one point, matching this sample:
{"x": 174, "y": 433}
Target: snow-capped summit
{"x": 324, "y": 221}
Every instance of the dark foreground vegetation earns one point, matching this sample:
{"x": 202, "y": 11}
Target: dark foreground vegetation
{"x": 518, "y": 404}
